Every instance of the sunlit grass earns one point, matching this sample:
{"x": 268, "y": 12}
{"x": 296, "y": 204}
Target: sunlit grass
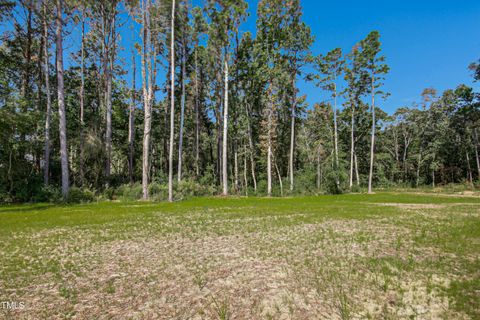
{"x": 388, "y": 255}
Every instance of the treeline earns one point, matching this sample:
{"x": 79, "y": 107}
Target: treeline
{"x": 192, "y": 105}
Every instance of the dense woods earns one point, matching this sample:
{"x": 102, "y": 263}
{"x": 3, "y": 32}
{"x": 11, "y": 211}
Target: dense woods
{"x": 210, "y": 109}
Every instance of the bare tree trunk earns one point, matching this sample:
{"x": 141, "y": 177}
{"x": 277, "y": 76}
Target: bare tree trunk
{"x": 477, "y": 159}
{"x": 108, "y": 98}
{"x": 225, "y": 131}
{"x": 404, "y": 156}
{"x": 433, "y": 178}
{"x": 82, "y": 97}
{"x": 61, "y": 102}
{"x": 172, "y": 104}
{"x": 250, "y": 145}
{"x": 419, "y": 162}
{"x": 292, "y": 132}
{"x": 372, "y": 143}
{"x": 335, "y": 133}
{"x": 356, "y": 168}
{"x": 46, "y": 173}
{"x": 131, "y": 122}
{"x": 182, "y": 115}
{"x": 469, "y": 168}
{"x": 279, "y": 177}
{"x": 318, "y": 169}
{"x": 397, "y": 155}
{"x": 197, "y": 119}
{"x": 352, "y": 145}
{"x": 235, "y": 165}
{"x": 245, "y": 170}
{"x": 269, "y": 150}
{"x": 146, "y": 63}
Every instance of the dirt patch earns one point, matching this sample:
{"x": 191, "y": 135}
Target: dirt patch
{"x": 412, "y": 206}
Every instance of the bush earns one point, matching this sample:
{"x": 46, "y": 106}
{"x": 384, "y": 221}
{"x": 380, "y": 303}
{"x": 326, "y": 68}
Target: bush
{"x": 5, "y": 197}
{"x": 158, "y": 191}
{"x": 332, "y": 187}
{"x": 109, "y": 193}
{"x": 305, "y": 181}
{"x": 77, "y": 195}
{"x": 48, "y": 194}
{"x": 191, "y": 188}
{"x": 356, "y": 188}
{"x": 130, "y": 192}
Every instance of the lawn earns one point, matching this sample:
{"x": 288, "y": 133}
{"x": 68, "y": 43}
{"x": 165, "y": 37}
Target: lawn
{"x": 355, "y": 256}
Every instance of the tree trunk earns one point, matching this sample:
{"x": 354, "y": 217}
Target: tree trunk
{"x": 419, "y": 162}
{"x": 372, "y": 143}
{"x": 269, "y": 149}
{"x": 352, "y": 145}
{"x": 82, "y": 98}
{"x": 318, "y": 169}
{"x": 235, "y": 165}
{"x": 245, "y": 170}
{"x": 433, "y": 178}
{"x": 225, "y": 131}
{"x": 404, "y": 157}
{"x": 250, "y": 145}
{"x": 335, "y": 133}
{"x": 172, "y": 103}
{"x": 292, "y": 131}
{"x": 108, "y": 98}
{"x": 197, "y": 119}
{"x": 279, "y": 177}
{"x": 61, "y": 102}
{"x": 147, "y": 88}
{"x": 46, "y": 173}
{"x": 357, "y": 175}
{"x": 182, "y": 115}
{"x": 131, "y": 122}
{"x": 477, "y": 159}
{"x": 469, "y": 168}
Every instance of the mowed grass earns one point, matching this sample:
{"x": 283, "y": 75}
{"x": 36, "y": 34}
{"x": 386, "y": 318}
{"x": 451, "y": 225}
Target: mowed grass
{"x": 355, "y": 256}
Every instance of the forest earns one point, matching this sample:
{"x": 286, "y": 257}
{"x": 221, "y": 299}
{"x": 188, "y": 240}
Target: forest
{"x": 206, "y": 159}
{"x": 192, "y": 106}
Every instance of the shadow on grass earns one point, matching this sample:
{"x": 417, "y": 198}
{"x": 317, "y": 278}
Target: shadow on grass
{"x": 25, "y": 208}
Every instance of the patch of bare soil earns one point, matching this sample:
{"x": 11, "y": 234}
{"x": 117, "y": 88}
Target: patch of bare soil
{"x": 307, "y": 271}
{"x": 412, "y": 206}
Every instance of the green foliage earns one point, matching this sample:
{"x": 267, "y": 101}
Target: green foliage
{"x": 158, "y": 191}
{"x": 48, "y": 194}
{"x": 129, "y": 192}
{"x": 305, "y": 181}
{"x": 433, "y": 143}
{"x": 191, "y": 188}
{"x": 335, "y": 181}
{"x": 79, "y": 195}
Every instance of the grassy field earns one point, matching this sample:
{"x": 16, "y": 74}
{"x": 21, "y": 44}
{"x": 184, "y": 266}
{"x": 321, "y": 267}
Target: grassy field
{"x": 382, "y": 256}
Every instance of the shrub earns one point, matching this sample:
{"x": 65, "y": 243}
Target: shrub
{"x": 356, "y": 188}
{"x": 158, "y": 191}
{"x": 332, "y": 187}
{"x": 48, "y": 194}
{"x": 191, "y": 188}
{"x": 130, "y": 192}
{"x": 305, "y": 181}
{"x": 109, "y": 193}
{"x": 5, "y": 197}
{"x": 77, "y": 195}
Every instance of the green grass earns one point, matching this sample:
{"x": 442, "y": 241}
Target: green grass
{"x": 390, "y": 255}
